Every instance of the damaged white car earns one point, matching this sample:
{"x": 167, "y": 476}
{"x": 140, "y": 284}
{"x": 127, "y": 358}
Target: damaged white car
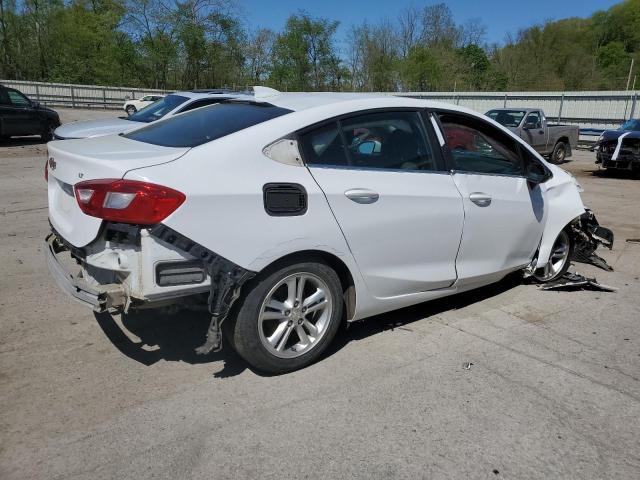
{"x": 290, "y": 213}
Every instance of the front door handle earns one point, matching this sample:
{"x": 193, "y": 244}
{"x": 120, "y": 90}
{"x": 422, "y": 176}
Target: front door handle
{"x": 480, "y": 199}
{"x": 362, "y": 195}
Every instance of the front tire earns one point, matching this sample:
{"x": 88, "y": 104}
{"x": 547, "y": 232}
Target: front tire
{"x": 288, "y": 317}
{"x": 131, "y": 110}
{"x": 559, "y": 259}
{"x": 47, "y": 133}
{"x": 559, "y": 153}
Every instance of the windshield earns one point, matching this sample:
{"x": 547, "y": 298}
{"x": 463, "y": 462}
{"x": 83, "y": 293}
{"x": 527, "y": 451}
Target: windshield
{"x": 632, "y": 125}
{"x": 508, "y": 118}
{"x": 205, "y": 124}
{"x": 158, "y": 109}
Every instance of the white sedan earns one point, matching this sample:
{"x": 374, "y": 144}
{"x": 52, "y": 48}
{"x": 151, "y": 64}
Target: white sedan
{"x": 293, "y": 212}
{"x": 168, "y": 106}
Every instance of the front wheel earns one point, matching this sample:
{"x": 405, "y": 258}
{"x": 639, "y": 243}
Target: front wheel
{"x": 130, "y": 110}
{"x": 288, "y": 317}
{"x": 47, "y": 133}
{"x": 559, "y": 259}
{"x": 559, "y": 153}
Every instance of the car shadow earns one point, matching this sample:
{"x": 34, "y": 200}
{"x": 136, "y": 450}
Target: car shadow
{"x": 174, "y": 337}
{"x": 619, "y": 174}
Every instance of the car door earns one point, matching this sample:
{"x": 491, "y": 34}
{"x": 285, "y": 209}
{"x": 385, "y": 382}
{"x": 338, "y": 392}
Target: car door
{"x": 504, "y": 213}
{"x": 535, "y": 136}
{"x": 399, "y": 210}
{"x": 22, "y": 117}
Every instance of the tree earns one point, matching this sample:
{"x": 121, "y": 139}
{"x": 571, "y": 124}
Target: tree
{"x": 304, "y": 54}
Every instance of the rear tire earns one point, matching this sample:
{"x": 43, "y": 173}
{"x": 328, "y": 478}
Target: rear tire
{"x": 559, "y": 258}
{"x": 287, "y": 317}
{"x": 559, "y": 153}
{"x": 131, "y": 110}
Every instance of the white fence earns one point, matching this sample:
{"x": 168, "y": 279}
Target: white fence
{"x": 78, "y": 96}
{"x": 595, "y": 110}
{"x": 587, "y": 109}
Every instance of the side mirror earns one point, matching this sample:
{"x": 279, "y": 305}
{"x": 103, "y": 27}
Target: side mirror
{"x": 536, "y": 173}
{"x": 369, "y": 147}
{"x": 530, "y": 125}
{"x": 35, "y": 104}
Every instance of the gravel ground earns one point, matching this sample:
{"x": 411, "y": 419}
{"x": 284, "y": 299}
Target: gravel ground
{"x": 553, "y": 392}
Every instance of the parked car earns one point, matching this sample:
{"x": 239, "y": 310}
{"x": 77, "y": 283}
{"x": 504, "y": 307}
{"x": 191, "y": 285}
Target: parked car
{"x": 553, "y": 141}
{"x": 620, "y": 149}
{"x": 169, "y": 105}
{"x": 292, "y": 212}
{"x": 133, "y": 105}
{"x": 20, "y": 116}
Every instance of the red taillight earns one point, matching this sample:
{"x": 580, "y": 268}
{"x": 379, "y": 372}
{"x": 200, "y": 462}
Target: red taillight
{"x": 127, "y": 201}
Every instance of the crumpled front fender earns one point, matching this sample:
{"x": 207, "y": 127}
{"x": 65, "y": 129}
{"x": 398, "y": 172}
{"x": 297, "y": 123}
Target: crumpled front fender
{"x": 564, "y": 206}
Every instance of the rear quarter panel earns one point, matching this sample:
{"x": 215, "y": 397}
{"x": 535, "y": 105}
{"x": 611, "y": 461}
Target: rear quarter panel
{"x": 224, "y": 211}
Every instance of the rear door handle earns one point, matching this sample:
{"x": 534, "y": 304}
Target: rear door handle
{"x": 362, "y": 195}
{"x": 480, "y": 199}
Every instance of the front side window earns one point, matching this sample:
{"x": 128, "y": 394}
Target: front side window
{"x": 381, "y": 140}
{"x": 17, "y": 99}
{"x": 158, "y": 109}
{"x": 507, "y": 118}
{"x": 206, "y": 124}
{"x": 478, "y": 147}
{"x": 534, "y": 119}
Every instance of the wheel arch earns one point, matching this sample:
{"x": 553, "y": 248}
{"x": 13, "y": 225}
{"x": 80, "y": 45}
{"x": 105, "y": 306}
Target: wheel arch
{"x": 336, "y": 263}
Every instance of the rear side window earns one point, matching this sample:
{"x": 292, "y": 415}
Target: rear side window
{"x": 393, "y": 140}
{"x": 479, "y": 147}
{"x": 323, "y": 146}
{"x": 388, "y": 140}
{"x": 206, "y": 124}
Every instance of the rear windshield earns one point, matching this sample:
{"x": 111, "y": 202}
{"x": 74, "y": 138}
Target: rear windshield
{"x": 206, "y": 124}
{"x": 508, "y": 118}
{"x": 158, "y": 109}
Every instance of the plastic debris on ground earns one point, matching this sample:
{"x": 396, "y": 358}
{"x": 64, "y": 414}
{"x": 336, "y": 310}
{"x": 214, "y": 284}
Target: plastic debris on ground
{"x": 574, "y": 281}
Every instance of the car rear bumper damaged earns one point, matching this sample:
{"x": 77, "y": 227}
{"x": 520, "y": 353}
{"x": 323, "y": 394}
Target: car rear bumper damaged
{"x": 100, "y": 298}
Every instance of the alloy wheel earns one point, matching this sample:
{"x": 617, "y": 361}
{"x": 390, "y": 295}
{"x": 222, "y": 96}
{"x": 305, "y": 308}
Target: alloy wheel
{"x": 557, "y": 260}
{"x": 295, "y": 315}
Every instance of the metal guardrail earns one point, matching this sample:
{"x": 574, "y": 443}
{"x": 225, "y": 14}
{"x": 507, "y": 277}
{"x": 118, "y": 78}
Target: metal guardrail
{"x": 589, "y": 110}
{"x": 78, "y": 96}
{"x": 597, "y": 110}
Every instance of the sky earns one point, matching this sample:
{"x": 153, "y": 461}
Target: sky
{"x": 499, "y": 16}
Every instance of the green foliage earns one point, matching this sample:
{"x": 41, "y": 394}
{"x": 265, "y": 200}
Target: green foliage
{"x": 176, "y": 44}
{"x": 304, "y": 55}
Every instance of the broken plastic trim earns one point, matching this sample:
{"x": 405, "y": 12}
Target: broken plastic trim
{"x": 226, "y": 277}
{"x": 588, "y": 235}
{"x": 575, "y": 281}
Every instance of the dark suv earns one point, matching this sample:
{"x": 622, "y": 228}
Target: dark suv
{"x": 21, "y": 116}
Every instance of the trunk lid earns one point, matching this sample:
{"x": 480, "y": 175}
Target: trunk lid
{"x": 74, "y": 161}
{"x": 95, "y": 128}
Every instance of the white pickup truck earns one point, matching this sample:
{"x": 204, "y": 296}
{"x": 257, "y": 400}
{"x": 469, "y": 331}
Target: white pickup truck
{"x": 530, "y": 124}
